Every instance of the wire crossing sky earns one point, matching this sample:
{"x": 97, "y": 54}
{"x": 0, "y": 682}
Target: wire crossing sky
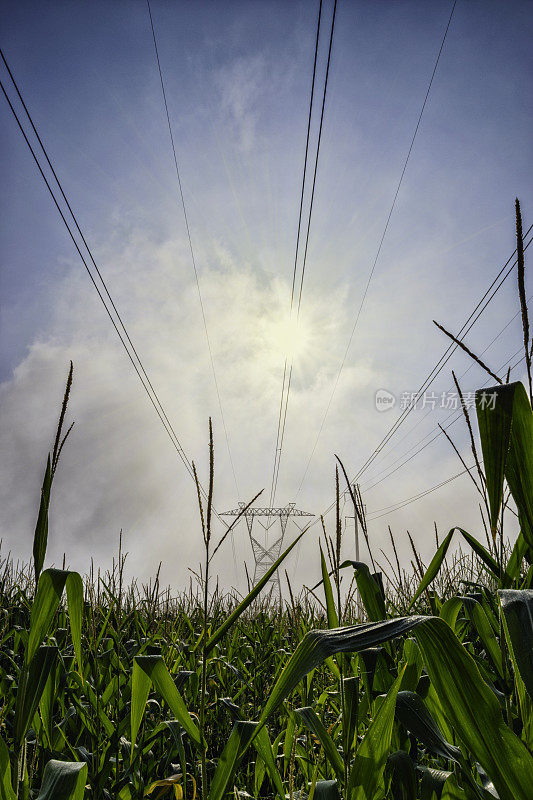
{"x": 237, "y": 82}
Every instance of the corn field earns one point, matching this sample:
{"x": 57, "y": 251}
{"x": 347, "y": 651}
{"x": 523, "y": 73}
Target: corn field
{"x": 424, "y": 690}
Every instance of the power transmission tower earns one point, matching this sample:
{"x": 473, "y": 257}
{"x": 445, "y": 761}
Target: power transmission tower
{"x": 265, "y": 555}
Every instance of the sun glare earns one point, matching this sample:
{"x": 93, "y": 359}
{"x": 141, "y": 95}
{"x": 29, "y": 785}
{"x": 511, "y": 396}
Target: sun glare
{"x": 290, "y": 337}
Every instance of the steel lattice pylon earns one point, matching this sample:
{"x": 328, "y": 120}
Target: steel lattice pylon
{"x": 265, "y": 555}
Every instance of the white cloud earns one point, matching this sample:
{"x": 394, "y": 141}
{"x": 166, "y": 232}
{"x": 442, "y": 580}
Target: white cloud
{"x": 243, "y": 84}
{"x": 119, "y": 469}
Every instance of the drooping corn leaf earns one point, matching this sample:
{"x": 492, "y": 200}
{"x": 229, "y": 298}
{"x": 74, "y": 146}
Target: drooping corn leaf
{"x": 45, "y": 604}
{"x": 173, "y": 782}
{"x": 439, "y": 784}
{"x": 157, "y": 673}
{"x": 63, "y": 780}
{"x": 469, "y": 705}
{"x": 369, "y": 590}
{"x": 318, "y": 645}
{"x": 413, "y": 714}
{"x": 400, "y": 771}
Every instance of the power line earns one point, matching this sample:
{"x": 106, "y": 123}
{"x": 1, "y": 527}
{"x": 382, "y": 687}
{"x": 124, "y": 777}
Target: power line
{"x": 193, "y": 259}
{"x": 419, "y": 421}
{"x": 467, "y": 326}
{"x": 383, "y": 235}
{"x": 304, "y": 261}
{"x": 472, "y": 319}
{"x": 436, "y": 436}
{"x": 117, "y": 323}
{"x": 295, "y": 267}
{"x": 390, "y": 509}
{"x": 438, "y": 433}
{"x": 386, "y": 510}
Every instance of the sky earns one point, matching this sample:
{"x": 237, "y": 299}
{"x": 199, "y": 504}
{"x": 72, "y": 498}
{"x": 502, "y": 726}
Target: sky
{"x": 238, "y": 79}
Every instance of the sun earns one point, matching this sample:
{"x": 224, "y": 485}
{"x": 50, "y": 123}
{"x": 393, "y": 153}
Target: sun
{"x": 288, "y": 337}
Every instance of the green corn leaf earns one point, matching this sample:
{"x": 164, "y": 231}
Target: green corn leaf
{"x": 450, "y": 610}
{"x": 45, "y": 604}
{"x": 31, "y": 686}
{"x": 63, "y": 780}
{"x": 156, "y": 670}
{"x": 524, "y": 701}
{"x": 315, "y": 724}
{"x": 517, "y": 608}
{"x": 401, "y": 773}
{"x": 141, "y": 684}
{"x": 495, "y": 432}
{"x": 484, "y": 630}
{"x": 371, "y": 758}
{"x": 434, "y": 567}
{"x": 519, "y": 464}
{"x": 440, "y": 555}
{"x": 326, "y": 790}
{"x": 234, "y": 616}
{"x": 439, "y": 784}
{"x": 333, "y": 620}
{"x": 318, "y": 645}
{"x": 506, "y": 430}
{"x": 6, "y": 789}
{"x": 482, "y": 552}
{"x": 46, "y": 705}
{"x": 469, "y": 705}
{"x": 264, "y": 748}
{"x": 413, "y": 714}
{"x": 288, "y": 741}
{"x": 473, "y": 711}
{"x": 238, "y": 742}
{"x": 512, "y": 570}
{"x": 40, "y": 537}
{"x": 351, "y": 704}
{"x": 369, "y": 590}
{"x": 74, "y": 587}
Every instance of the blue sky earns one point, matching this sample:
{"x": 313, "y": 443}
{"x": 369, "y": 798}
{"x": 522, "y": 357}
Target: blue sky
{"x": 238, "y": 80}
